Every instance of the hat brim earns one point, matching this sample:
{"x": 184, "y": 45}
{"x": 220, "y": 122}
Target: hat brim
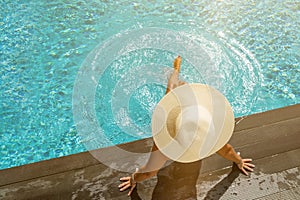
{"x": 192, "y": 95}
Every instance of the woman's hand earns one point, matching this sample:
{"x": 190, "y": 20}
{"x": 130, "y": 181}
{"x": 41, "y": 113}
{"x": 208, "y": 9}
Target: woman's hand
{"x": 244, "y": 165}
{"x": 127, "y": 183}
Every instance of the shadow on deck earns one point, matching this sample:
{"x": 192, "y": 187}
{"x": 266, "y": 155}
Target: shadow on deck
{"x": 271, "y": 138}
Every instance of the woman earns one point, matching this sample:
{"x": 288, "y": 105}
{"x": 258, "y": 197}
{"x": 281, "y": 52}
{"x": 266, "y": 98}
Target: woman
{"x": 157, "y": 159}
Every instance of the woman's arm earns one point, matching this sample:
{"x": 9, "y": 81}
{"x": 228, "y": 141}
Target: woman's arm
{"x": 228, "y": 152}
{"x": 155, "y": 162}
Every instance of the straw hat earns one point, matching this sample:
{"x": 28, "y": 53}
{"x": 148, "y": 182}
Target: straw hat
{"x": 192, "y": 122}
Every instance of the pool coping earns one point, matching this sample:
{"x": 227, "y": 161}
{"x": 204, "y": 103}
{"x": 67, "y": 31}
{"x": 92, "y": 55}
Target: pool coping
{"x": 285, "y": 119}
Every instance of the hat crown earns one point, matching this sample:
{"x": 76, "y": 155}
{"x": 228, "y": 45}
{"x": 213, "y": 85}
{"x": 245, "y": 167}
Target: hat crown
{"x": 194, "y": 126}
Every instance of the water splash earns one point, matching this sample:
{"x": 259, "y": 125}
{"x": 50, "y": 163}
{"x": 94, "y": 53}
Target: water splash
{"x": 121, "y": 80}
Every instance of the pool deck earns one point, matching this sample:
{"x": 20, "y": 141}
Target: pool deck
{"x": 271, "y": 138}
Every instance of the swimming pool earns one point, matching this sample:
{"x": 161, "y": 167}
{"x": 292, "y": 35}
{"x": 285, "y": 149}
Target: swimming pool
{"x": 44, "y": 45}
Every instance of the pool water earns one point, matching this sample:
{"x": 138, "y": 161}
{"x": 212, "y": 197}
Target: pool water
{"x": 250, "y": 51}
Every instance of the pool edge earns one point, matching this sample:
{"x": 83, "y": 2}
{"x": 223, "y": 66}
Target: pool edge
{"x": 281, "y": 126}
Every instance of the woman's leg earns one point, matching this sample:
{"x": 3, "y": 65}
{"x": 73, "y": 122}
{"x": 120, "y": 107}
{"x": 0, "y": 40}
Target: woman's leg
{"x": 173, "y": 80}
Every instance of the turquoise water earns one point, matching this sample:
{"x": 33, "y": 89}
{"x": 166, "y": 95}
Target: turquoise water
{"x": 254, "y": 47}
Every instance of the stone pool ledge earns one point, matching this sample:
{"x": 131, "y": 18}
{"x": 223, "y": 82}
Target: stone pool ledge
{"x": 271, "y": 138}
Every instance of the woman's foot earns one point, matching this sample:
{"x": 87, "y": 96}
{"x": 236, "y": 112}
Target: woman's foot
{"x": 177, "y": 63}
